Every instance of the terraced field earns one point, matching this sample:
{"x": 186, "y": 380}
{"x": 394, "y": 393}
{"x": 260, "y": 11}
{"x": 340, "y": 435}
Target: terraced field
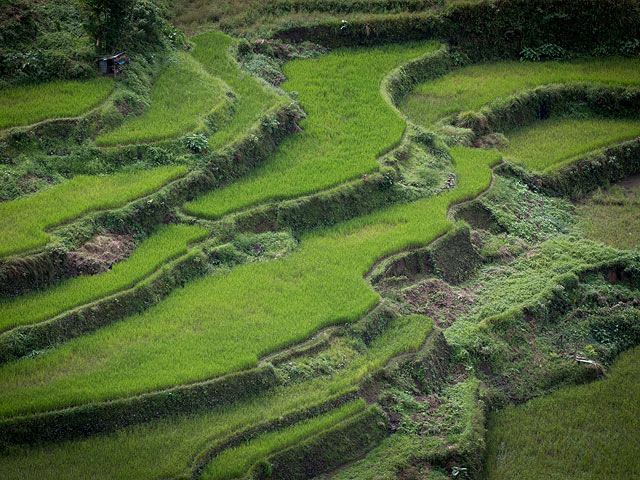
{"x": 344, "y": 276}
{"x": 26, "y": 105}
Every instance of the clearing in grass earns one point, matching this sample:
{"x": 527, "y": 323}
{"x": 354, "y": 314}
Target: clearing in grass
{"x": 208, "y": 328}
{"x": 29, "y": 104}
{"x": 472, "y": 87}
{"x": 23, "y": 221}
{"x": 588, "y": 432}
{"x": 551, "y": 143}
{"x": 349, "y": 125}
{"x": 167, "y": 243}
{"x": 182, "y": 95}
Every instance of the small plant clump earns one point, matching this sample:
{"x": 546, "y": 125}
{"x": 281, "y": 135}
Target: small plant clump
{"x": 196, "y": 142}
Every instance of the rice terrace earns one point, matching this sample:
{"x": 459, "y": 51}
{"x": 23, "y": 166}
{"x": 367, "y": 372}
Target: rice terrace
{"x": 320, "y": 239}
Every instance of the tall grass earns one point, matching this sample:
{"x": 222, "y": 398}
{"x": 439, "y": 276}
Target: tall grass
{"x": 23, "y": 221}
{"x": 235, "y": 462}
{"x": 180, "y": 97}
{"x": 212, "y": 51}
{"x": 168, "y": 242}
{"x": 349, "y": 124}
{"x": 24, "y": 105}
{"x": 587, "y": 432}
{"x": 551, "y": 143}
{"x": 471, "y": 87}
{"x": 210, "y": 327}
{"x": 132, "y": 453}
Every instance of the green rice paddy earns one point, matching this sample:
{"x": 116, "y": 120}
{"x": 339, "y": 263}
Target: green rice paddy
{"x": 29, "y": 104}
{"x": 471, "y": 87}
{"x": 208, "y": 328}
{"x": 212, "y": 50}
{"x": 349, "y": 125}
{"x": 81, "y": 194}
{"x": 181, "y": 96}
{"x": 227, "y": 321}
{"x": 587, "y": 432}
{"x": 132, "y": 453}
{"x": 551, "y": 143}
{"x": 167, "y": 243}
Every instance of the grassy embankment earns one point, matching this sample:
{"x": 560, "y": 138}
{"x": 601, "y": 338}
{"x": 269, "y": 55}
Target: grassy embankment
{"x": 132, "y": 453}
{"x": 587, "y": 432}
{"x": 167, "y": 243}
{"x": 29, "y": 104}
{"x": 472, "y": 87}
{"x": 551, "y": 143}
{"x": 23, "y": 221}
{"x": 212, "y": 51}
{"x": 235, "y": 462}
{"x": 181, "y": 96}
{"x": 349, "y": 125}
{"x": 196, "y": 334}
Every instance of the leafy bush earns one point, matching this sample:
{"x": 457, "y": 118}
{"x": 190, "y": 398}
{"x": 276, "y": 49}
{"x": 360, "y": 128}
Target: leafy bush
{"x": 548, "y": 51}
{"x": 197, "y": 142}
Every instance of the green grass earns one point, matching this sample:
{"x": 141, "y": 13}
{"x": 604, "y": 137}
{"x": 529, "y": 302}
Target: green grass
{"x": 132, "y": 453}
{"x": 180, "y": 97}
{"x": 208, "y": 328}
{"x": 611, "y": 216}
{"x": 167, "y": 243}
{"x": 471, "y": 87}
{"x": 349, "y": 125}
{"x": 212, "y": 51}
{"x": 586, "y": 432}
{"x": 24, "y": 105}
{"x": 551, "y": 143}
{"x": 23, "y": 221}
{"x": 235, "y": 462}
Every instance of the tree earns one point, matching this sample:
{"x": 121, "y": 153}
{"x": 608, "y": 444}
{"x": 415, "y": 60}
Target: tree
{"x": 109, "y": 21}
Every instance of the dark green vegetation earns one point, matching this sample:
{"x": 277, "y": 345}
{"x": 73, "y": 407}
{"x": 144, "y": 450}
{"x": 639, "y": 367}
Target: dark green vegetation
{"x": 586, "y": 430}
{"x": 209, "y": 276}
